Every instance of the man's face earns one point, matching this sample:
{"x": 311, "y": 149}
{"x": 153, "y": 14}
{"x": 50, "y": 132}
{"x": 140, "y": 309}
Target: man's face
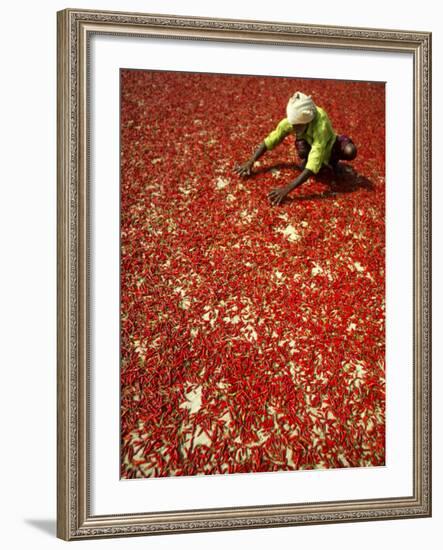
{"x": 299, "y": 128}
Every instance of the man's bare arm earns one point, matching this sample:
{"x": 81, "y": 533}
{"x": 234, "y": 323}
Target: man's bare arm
{"x": 276, "y": 196}
{"x": 246, "y": 168}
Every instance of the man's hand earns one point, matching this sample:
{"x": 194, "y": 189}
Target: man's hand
{"x": 245, "y": 169}
{"x": 276, "y": 196}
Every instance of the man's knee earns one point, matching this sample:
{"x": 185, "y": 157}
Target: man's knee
{"x": 349, "y": 151}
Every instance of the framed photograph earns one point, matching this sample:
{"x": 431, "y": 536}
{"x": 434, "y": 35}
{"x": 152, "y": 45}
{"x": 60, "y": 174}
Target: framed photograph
{"x": 243, "y": 274}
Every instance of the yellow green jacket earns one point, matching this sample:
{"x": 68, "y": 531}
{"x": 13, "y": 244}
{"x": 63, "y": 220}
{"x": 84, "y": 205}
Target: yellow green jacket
{"x": 318, "y": 133}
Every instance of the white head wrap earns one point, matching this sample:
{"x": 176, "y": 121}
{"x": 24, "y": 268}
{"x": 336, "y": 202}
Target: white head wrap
{"x": 300, "y": 109}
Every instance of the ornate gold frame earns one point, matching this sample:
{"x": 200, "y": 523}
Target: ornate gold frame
{"x": 75, "y": 28}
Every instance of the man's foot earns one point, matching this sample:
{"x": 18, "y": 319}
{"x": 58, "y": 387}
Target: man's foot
{"x": 339, "y": 169}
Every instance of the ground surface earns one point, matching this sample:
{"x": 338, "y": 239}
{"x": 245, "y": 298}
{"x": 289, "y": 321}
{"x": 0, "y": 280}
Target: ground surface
{"x": 252, "y": 336}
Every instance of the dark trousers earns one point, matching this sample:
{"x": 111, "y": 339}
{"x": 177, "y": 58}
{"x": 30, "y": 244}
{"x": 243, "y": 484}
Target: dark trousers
{"x": 337, "y": 153}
